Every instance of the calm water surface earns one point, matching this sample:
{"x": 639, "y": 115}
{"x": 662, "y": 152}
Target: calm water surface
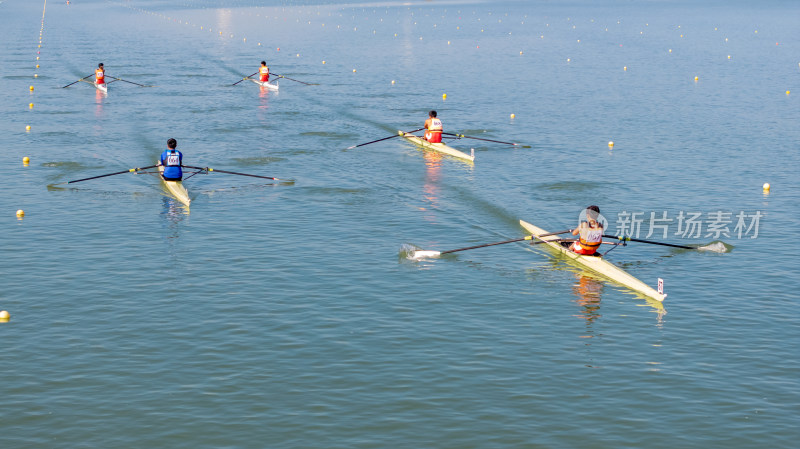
{"x": 286, "y": 315}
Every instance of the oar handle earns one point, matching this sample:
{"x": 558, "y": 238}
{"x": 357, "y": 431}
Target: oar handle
{"x": 400, "y": 133}
{"x": 487, "y": 140}
{"x": 297, "y": 81}
{"x": 527, "y": 237}
{"x": 629, "y": 239}
{"x": 209, "y": 169}
{"x": 70, "y": 84}
{"x": 130, "y": 170}
{"x": 247, "y": 77}
{"x": 126, "y": 81}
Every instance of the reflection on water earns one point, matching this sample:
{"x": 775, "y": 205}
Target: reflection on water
{"x": 433, "y": 174}
{"x": 588, "y": 292}
{"x": 175, "y": 212}
{"x": 99, "y": 96}
{"x": 263, "y": 94}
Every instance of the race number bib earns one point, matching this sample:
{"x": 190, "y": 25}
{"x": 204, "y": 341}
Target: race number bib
{"x": 173, "y": 160}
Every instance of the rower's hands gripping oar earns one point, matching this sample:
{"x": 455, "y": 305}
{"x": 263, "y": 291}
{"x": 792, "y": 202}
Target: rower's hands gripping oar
{"x": 629, "y": 239}
{"x": 130, "y": 170}
{"x": 247, "y": 78}
{"x": 70, "y": 84}
{"x": 209, "y": 169}
{"x": 459, "y": 136}
{"x": 385, "y": 138}
{"x": 422, "y": 253}
{"x": 297, "y": 81}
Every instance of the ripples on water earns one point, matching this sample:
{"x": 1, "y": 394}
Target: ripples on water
{"x": 289, "y": 315}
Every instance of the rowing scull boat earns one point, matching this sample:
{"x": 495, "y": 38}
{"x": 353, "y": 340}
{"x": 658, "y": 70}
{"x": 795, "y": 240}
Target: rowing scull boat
{"x": 268, "y": 84}
{"x": 102, "y": 87}
{"x": 594, "y": 263}
{"x": 440, "y": 147}
{"x": 175, "y": 188}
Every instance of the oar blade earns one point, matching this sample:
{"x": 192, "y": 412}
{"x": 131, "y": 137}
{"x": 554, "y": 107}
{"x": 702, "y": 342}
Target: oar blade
{"x": 423, "y": 254}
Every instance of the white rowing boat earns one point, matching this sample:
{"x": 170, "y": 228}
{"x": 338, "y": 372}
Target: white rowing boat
{"x": 271, "y": 85}
{"x": 440, "y": 147}
{"x": 175, "y": 188}
{"x": 595, "y": 263}
{"x": 101, "y": 87}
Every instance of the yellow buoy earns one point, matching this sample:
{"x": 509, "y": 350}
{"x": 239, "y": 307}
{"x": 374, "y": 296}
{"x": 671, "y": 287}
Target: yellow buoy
{"x": 26, "y": 160}
{"x": 323, "y": 62}
{"x": 512, "y": 115}
{"x": 36, "y": 75}
{"x": 354, "y": 70}
{"x": 30, "y": 105}
{"x": 520, "y": 53}
{"x": 31, "y": 88}
{"x": 392, "y": 81}
{"x": 729, "y": 56}
{"x": 444, "y": 96}
{"x": 37, "y": 66}
{"x": 788, "y": 92}
{"x": 20, "y": 213}
{"x": 610, "y": 144}
{"x": 4, "y": 316}
{"x": 696, "y": 78}
{"x": 28, "y": 128}
{"x": 625, "y": 68}
{"x": 766, "y": 187}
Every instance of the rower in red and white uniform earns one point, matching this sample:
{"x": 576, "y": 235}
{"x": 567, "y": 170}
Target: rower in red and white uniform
{"x": 100, "y": 74}
{"x": 433, "y": 128}
{"x": 590, "y": 231}
{"x": 263, "y": 72}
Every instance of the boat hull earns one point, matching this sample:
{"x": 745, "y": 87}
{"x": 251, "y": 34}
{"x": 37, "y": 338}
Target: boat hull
{"x": 595, "y": 264}
{"x": 440, "y": 147}
{"x": 175, "y": 188}
{"x": 101, "y": 87}
{"x": 271, "y": 85}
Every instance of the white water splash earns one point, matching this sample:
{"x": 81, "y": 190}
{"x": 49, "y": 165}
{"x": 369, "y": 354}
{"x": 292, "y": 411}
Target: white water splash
{"x": 716, "y": 247}
{"x": 412, "y": 252}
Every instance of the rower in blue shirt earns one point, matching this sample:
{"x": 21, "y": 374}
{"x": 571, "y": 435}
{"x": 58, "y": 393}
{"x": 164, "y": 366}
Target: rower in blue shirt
{"x": 172, "y": 159}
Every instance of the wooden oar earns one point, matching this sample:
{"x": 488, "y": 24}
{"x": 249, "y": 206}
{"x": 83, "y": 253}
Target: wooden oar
{"x": 459, "y": 136}
{"x": 126, "y": 81}
{"x": 297, "y": 81}
{"x": 70, "y": 84}
{"x": 247, "y": 78}
{"x": 209, "y": 169}
{"x": 629, "y": 239}
{"x": 421, "y": 254}
{"x": 131, "y": 170}
{"x": 385, "y": 138}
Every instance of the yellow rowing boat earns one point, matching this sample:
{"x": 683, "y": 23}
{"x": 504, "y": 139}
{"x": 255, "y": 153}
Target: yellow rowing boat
{"x": 175, "y": 188}
{"x": 440, "y": 147}
{"x": 594, "y": 263}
